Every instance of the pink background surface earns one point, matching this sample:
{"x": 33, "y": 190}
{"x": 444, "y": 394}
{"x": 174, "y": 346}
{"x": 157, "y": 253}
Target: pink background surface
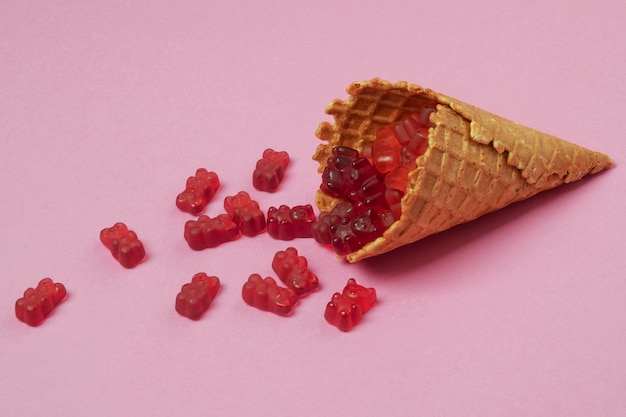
{"x": 105, "y": 109}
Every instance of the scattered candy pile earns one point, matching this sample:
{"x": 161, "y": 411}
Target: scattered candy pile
{"x": 352, "y": 176}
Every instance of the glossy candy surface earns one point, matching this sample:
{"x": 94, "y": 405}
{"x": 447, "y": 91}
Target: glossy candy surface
{"x": 286, "y": 223}
{"x": 373, "y": 181}
{"x": 320, "y": 229}
{"x": 199, "y": 190}
{"x": 386, "y": 150}
{"x": 246, "y": 213}
{"x": 270, "y": 170}
{"x": 196, "y": 296}
{"x": 294, "y": 271}
{"x": 207, "y": 232}
{"x": 38, "y": 303}
{"x": 342, "y": 312}
{"x": 124, "y": 245}
{"x": 346, "y": 309}
{"x": 266, "y": 295}
{"x": 335, "y": 177}
{"x": 349, "y": 226}
{"x": 364, "y": 297}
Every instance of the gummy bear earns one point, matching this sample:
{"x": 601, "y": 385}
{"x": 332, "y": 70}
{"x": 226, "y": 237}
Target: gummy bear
{"x": 294, "y": 271}
{"x": 286, "y": 223}
{"x": 195, "y": 297}
{"x": 370, "y": 192}
{"x": 246, "y": 213}
{"x": 342, "y": 312}
{"x": 349, "y": 226}
{"x": 209, "y": 232}
{"x": 364, "y": 297}
{"x": 266, "y": 295}
{"x": 320, "y": 229}
{"x": 346, "y": 309}
{"x": 199, "y": 190}
{"x": 270, "y": 170}
{"x": 38, "y": 303}
{"x": 386, "y": 150}
{"x": 326, "y": 226}
{"x": 343, "y": 238}
{"x": 351, "y": 176}
{"x": 124, "y": 245}
{"x": 412, "y": 133}
{"x": 335, "y": 181}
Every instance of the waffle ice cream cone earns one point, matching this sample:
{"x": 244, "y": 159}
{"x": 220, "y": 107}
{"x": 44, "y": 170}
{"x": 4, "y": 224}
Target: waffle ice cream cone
{"x": 476, "y": 162}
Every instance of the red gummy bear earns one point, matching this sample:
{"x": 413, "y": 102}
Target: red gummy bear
{"x": 294, "y": 271}
{"x": 199, "y": 190}
{"x": 124, "y": 244}
{"x": 270, "y": 170}
{"x": 364, "y": 297}
{"x": 386, "y": 150}
{"x": 345, "y": 310}
{"x": 196, "y": 296}
{"x": 38, "y": 303}
{"x": 343, "y": 313}
{"x": 209, "y": 232}
{"x": 412, "y": 134}
{"x": 246, "y": 213}
{"x": 286, "y": 223}
{"x": 266, "y": 295}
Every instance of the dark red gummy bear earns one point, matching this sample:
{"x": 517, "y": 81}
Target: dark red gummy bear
{"x": 335, "y": 177}
{"x": 199, "y": 190}
{"x": 349, "y": 226}
{"x": 124, "y": 245}
{"x": 270, "y": 170}
{"x": 196, "y": 296}
{"x": 348, "y": 175}
{"x": 38, "y": 303}
{"x": 286, "y": 223}
{"x": 266, "y": 295}
{"x": 345, "y": 310}
{"x": 246, "y": 213}
{"x": 294, "y": 271}
{"x": 207, "y": 232}
{"x": 321, "y": 228}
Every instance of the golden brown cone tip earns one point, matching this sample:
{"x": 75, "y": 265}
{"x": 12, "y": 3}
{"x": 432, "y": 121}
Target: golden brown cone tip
{"x": 476, "y": 162}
